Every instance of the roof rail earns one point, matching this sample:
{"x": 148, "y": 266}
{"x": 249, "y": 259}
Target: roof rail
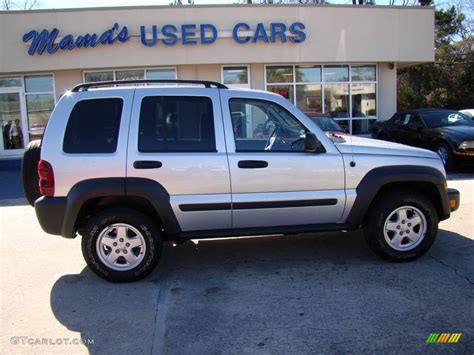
{"x": 87, "y": 86}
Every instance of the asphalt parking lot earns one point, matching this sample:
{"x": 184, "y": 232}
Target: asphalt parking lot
{"x": 301, "y": 294}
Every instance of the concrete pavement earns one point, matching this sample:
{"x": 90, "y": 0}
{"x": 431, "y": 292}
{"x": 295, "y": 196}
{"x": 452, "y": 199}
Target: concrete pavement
{"x": 268, "y": 295}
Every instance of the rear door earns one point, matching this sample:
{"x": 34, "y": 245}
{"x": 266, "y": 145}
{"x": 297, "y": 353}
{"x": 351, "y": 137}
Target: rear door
{"x": 176, "y": 138}
{"x": 273, "y": 184}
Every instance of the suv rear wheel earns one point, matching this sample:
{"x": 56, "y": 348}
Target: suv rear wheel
{"x": 121, "y": 245}
{"x": 401, "y": 226}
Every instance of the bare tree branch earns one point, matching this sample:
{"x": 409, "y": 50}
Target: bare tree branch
{"x": 20, "y": 5}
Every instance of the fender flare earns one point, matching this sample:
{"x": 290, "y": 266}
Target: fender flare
{"x": 149, "y": 189}
{"x": 376, "y": 178}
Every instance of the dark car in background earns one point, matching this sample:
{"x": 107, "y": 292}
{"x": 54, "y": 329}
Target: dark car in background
{"x": 447, "y": 132}
{"x": 326, "y": 123}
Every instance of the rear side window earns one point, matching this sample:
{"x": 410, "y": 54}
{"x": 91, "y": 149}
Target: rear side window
{"x": 176, "y": 124}
{"x": 93, "y": 126}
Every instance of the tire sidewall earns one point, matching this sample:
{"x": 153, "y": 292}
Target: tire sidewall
{"x": 29, "y": 172}
{"x": 375, "y": 235}
{"x": 449, "y": 164}
{"x": 149, "y": 232}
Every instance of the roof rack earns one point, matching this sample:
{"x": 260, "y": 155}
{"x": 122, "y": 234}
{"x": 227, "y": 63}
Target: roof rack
{"x": 87, "y": 86}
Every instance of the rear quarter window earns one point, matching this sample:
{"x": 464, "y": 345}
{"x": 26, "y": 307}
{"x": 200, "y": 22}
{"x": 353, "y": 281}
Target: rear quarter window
{"x": 93, "y": 126}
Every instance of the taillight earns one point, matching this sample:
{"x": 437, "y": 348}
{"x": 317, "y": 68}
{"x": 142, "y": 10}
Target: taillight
{"x": 46, "y": 178}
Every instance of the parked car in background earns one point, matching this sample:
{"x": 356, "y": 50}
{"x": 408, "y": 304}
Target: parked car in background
{"x": 468, "y": 112}
{"x": 449, "y": 133}
{"x": 326, "y": 123}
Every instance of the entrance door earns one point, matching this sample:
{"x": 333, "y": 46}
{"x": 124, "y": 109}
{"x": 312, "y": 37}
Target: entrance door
{"x": 13, "y": 120}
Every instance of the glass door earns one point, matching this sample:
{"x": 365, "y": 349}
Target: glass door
{"x": 13, "y": 121}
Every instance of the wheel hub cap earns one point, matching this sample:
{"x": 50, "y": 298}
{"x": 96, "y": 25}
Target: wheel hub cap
{"x": 121, "y": 247}
{"x": 405, "y": 228}
{"x": 443, "y": 154}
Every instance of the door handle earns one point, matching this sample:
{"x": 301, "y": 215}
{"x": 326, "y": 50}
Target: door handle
{"x": 147, "y": 164}
{"x": 252, "y": 164}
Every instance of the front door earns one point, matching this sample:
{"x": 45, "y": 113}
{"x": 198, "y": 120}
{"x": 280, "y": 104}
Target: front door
{"x": 274, "y": 181}
{"x": 13, "y": 121}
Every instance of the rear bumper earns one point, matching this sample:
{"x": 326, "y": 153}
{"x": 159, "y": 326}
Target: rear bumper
{"x": 454, "y": 198}
{"x": 50, "y": 212}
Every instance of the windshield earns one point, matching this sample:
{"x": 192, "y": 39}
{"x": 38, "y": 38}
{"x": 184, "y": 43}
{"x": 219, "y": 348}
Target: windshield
{"x": 327, "y": 124}
{"x": 446, "y": 119}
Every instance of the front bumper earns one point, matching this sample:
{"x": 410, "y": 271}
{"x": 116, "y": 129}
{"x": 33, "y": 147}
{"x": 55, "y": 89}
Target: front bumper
{"x": 454, "y": 198}
{"x": 50, "y": 212}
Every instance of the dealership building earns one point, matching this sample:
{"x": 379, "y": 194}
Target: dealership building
{"x": 335, "y": 59}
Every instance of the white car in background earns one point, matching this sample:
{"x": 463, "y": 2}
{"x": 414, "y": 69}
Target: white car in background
{"x": 468, "y": 112}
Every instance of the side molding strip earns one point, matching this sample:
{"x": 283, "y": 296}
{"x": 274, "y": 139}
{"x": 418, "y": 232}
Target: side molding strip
{"x": 256, "y": 205}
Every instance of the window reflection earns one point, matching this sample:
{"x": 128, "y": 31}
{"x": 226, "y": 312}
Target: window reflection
{"x": 284, "y": 90}
{"x": 363, "y": 72}
{"x": 336, "y": 100}
{"x": 235, "y": 75}
{"x": 130, "y": 75}
{"x": 99, "y": 76}
{"x": 309, "y": 98}
{"x": 336, "y": 73}
{"x": 11, "y": 120}
{"x": 283, "y": 74}
{"x": 363, "y": 100}
{"x": 308, "y": 74}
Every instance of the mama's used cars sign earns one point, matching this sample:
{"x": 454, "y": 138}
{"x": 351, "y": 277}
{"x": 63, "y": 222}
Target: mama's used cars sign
{"x": 51, "y": 41}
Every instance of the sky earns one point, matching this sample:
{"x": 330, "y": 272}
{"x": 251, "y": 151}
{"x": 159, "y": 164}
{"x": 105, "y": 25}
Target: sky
{"x": 57, "y": 4}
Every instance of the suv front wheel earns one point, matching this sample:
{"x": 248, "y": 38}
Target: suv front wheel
{"x": 401, "y": 226}
{"x": 121, "y": 245}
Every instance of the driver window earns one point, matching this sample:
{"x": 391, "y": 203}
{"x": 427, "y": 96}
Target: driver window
{"x": 265, "y": 126}
{"x": 415, "y": 120}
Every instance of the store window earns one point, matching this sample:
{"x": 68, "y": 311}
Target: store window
{"x": 39, "y": 94}
{"x": 26, "y": 102}
{"x": 280, "y": 81}
{"x": 130, "y": 74}
{"x": 160, "y": 74}
{"x": 236, "y": 76}
{"x": 346, "y": 92}
{"x": 363, "y": 98}
{"x": 98, "y": 76}
{"x": 10, "y": 82}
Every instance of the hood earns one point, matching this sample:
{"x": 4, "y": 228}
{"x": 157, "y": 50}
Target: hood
{"x": 359, "y": 145}
{"x": 461, "y": 133}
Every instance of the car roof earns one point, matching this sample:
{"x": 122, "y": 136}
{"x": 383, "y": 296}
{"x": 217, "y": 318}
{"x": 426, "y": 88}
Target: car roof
{"x": 424, "y": 110}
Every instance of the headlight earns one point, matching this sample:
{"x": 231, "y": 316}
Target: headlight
{"x": 466, "y": 145}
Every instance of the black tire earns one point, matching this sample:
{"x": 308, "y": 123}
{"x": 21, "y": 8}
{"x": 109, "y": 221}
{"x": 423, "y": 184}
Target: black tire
{"x": 29, "y": 171}
{"x": 446, "y": 155}
{"x": 383, "y": 208}
{"x": 142, "y": 224}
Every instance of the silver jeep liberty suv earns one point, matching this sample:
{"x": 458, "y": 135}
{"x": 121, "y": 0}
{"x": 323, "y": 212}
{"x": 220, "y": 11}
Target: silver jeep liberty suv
{"x": 129, "y": 165}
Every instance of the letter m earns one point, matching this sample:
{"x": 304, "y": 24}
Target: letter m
{"x": 41, "y": 41}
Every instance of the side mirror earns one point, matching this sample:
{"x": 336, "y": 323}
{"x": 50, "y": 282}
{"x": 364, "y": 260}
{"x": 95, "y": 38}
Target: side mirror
{"x": 312, "y": 144}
